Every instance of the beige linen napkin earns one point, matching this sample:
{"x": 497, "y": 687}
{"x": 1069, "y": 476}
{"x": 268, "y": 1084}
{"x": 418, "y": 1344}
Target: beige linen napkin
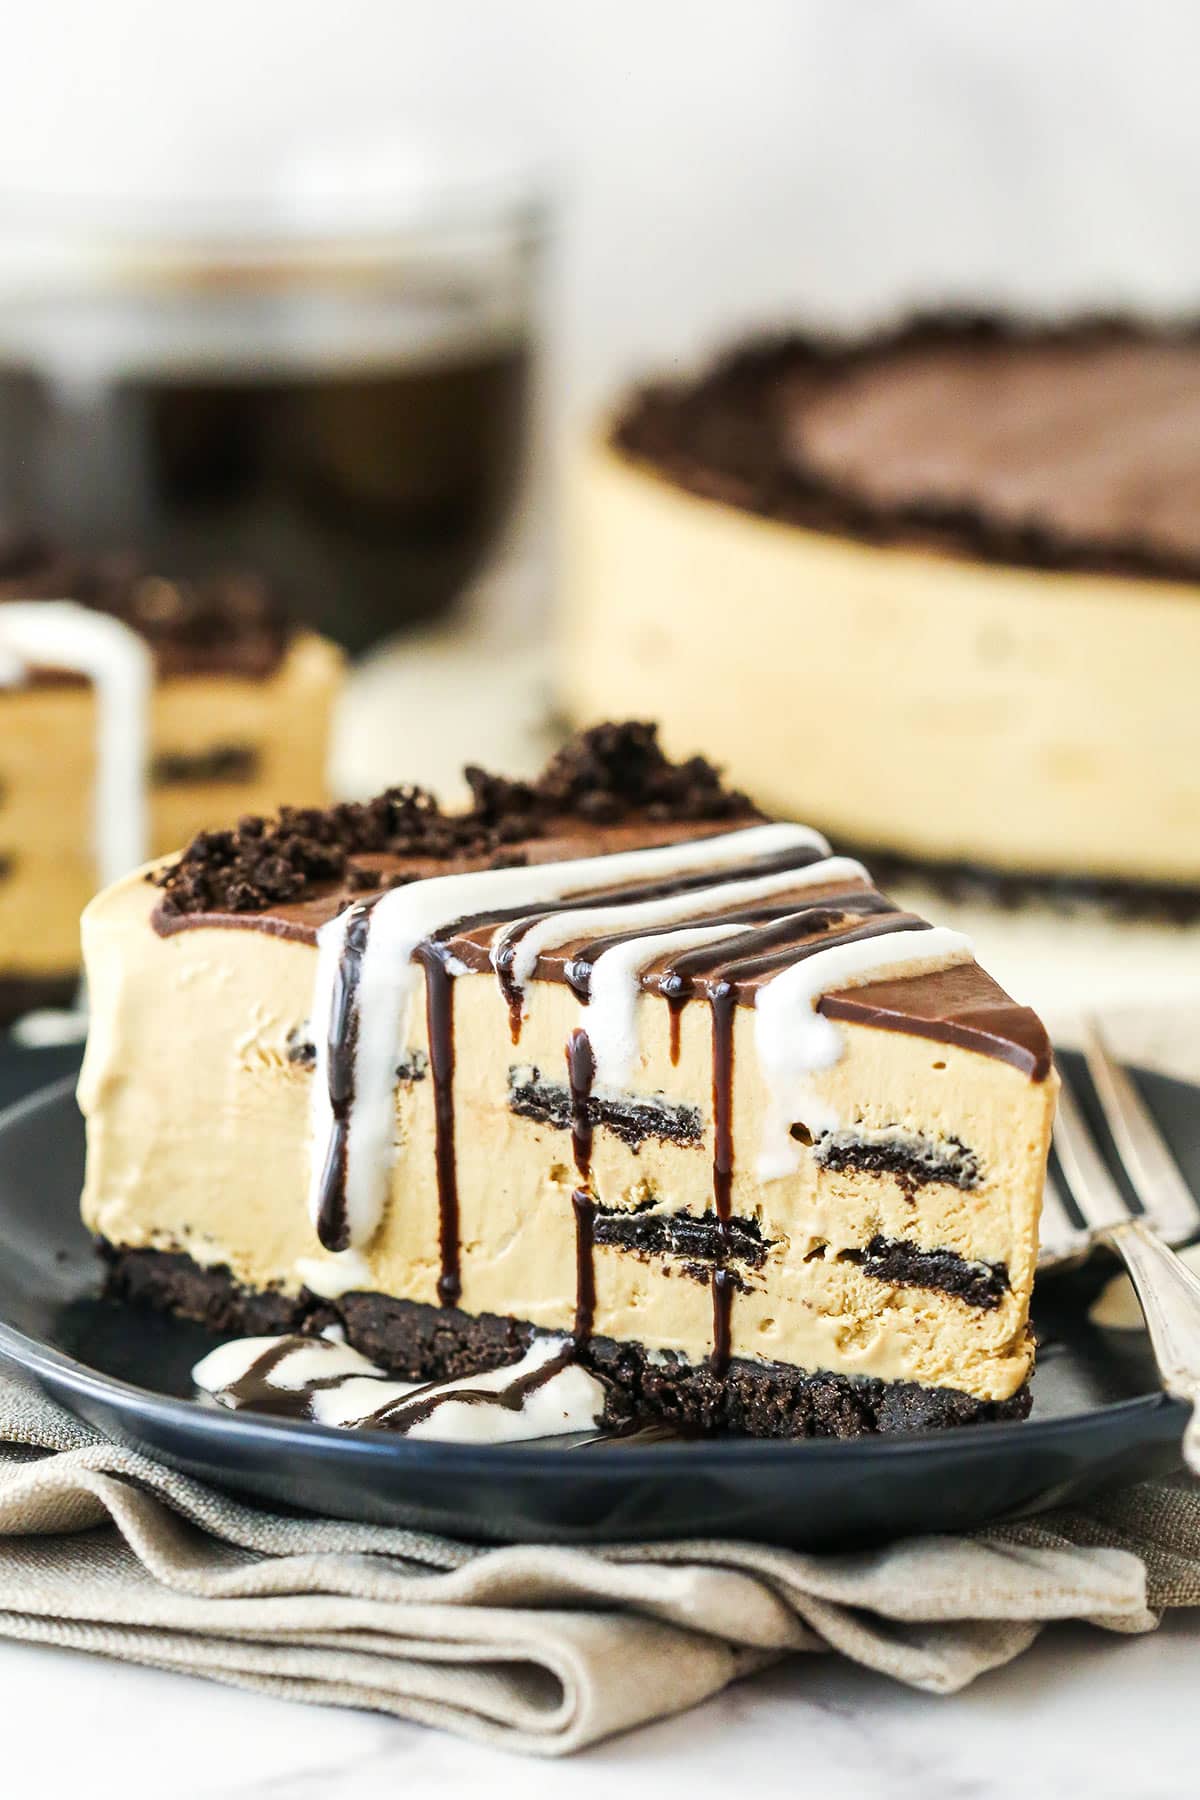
{"x": 533, "y": 1648}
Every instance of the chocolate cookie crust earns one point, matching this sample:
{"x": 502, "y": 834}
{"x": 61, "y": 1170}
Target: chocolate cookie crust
{"x": 429, "y": 1343}
{"x": 724, "y": 437}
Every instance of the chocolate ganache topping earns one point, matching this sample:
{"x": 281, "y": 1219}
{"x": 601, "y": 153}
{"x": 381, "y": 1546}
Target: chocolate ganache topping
{"x": 1072, "y": 446}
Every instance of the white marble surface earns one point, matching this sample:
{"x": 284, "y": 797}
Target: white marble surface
{"x": 1109, "y": 1717}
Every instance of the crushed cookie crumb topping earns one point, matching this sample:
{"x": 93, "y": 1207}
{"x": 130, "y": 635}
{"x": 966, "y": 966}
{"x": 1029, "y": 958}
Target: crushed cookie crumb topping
{"x": 609, "y": 774}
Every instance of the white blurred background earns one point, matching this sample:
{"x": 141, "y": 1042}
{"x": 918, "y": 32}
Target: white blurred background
{"x": 723, "y": 161}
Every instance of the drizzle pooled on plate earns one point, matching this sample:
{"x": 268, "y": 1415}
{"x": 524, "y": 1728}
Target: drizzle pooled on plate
{"x": 321, "y": 1378}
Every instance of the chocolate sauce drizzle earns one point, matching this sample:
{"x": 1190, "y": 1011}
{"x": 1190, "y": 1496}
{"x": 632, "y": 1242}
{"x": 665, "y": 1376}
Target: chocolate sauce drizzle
{"x": 793, "y": 938}
{"x": 581, "y": 1072}
{"x": 522, "y": 919}
{"x": 675, "y": 1005}
{"x": 774, "y": 925}
{"x": 439, "y": 1016}
{"x": 255, "y": 1388}
{"x": 585, "y": 1266}
{"x": 721, "y": 1001}
{"x": 413, "y": 1409}
{"x": 333, "y": 1223}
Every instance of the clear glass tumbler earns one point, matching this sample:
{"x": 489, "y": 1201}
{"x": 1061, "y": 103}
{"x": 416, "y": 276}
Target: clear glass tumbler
{"x": 326, "y": 378}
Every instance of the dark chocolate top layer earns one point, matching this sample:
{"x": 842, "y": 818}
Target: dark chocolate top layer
{"x": 1070, "y": 446}
{"x": 229, "y": 623}
{"x": 608, "y": 790}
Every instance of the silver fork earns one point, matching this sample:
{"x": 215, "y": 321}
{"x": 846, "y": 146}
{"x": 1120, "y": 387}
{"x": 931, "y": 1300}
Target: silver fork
{"x": 1167, "y": 1291}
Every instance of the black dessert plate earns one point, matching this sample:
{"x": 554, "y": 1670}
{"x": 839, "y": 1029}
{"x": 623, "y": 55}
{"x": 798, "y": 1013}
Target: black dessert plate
{"x": 1099, "y": 1417}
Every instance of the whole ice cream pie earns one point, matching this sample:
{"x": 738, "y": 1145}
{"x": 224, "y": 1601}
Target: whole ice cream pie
{"x": 964, "y": 553}
{"x": 609, "y": 1083}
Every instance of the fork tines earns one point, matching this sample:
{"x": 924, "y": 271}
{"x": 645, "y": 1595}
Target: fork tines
{"x": 1062, "y": 1240}
{"x": 1168, "y": 1204}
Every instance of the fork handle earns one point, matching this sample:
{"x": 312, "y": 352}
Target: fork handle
{"x": 1169, "y": 1296}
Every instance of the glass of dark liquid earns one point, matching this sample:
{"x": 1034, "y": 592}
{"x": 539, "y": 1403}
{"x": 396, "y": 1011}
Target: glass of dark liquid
{"x": 328, "y": 382}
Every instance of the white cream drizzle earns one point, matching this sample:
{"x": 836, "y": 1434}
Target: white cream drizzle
{"x": 346, "y": 1272}
{"x": 611, "y": 1015}
{"x": 338, "y": 1386}
{"x": 615, "y": 984}
{"x": 794, "y": 1041}
{"x": 406, "y": 917}
{"x": 561, "y": 928}
{"x": 312, "y": 1359}
{"x": 59, "y": 634}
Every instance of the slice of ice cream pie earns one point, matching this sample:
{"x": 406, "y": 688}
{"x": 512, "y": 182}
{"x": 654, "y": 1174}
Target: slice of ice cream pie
{"x": 607, "y": 1076}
